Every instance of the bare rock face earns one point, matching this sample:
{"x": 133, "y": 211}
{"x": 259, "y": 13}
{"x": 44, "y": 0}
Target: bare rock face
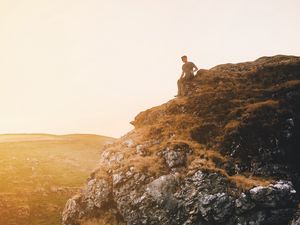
{"x": 176, "y": 155}
{"x": 296, "y": 219}
{"x": 226, "y": 153}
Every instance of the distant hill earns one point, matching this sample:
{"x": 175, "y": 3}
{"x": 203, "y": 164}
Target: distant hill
{"x": 39, "y": 172}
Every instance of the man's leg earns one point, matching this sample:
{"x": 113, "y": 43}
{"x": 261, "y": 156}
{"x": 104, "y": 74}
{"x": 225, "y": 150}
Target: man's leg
{"x": 179, "y": 85}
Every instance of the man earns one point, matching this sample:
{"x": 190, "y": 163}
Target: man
{"x": 188, "y": 69}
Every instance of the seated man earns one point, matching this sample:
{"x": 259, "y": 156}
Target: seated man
{"x": 188, "y": 69}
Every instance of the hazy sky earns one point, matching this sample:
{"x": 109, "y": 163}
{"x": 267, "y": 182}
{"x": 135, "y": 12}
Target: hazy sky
{"x": 90, "y": 66}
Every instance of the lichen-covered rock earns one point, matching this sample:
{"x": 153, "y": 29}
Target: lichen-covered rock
{"x": 72, "y": 211}
{"x": 174, "y": 158}
{"x": 217, "y": 207}
{"x": 243, "y": 204}
{"x": 162, "y": 186}
{"x": 96, "y": 193}
{"x": 140, "y": 149}
{"x": 296, "y": 218}
{"x": 109, "y": 158}
{"x": 176, "y": 155}
{"x": 224, "y": 153}
{"x": 279, "y": 194}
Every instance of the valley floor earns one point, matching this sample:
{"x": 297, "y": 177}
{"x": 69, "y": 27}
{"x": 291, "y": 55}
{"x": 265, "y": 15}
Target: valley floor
{"x": 39, "y": 172}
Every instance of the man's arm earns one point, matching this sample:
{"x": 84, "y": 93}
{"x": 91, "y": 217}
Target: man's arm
{"x": 182, "y": 74}
{"x": 195, "y": 68}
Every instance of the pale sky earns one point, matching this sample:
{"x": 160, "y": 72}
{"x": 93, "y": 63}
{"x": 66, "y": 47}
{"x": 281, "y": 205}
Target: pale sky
{"x": 90, "y": 66}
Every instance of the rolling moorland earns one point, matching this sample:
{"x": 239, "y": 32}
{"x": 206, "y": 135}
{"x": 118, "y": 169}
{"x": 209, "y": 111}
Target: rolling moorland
{"x": 39, "y": 172}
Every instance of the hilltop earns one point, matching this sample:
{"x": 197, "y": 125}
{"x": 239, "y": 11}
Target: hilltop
{"x": 39, "y": 172}
{"x": 226, "y": 152}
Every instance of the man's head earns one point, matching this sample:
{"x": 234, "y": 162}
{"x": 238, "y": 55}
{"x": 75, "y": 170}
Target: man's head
{"x": 184, "y": 58}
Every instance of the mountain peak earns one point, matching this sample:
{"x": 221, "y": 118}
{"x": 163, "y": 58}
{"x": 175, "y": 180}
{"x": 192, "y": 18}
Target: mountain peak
{"x": 225, "y": 152}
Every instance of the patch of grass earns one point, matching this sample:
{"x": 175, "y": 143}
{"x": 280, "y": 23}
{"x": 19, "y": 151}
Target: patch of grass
{"x": 232, "y": 124}
{"x": 258, "y": 105}
{"x": 106, "y": 219}
{"x": 246, "y": 183}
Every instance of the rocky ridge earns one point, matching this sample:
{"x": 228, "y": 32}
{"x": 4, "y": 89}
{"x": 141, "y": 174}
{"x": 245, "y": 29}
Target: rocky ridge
{"x": 226, "y": 153}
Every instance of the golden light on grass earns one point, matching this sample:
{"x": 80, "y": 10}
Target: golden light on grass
{"x": 39, "y": 172}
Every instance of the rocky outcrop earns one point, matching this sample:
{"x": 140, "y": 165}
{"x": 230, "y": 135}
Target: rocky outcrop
{"x": 226, "y": 153}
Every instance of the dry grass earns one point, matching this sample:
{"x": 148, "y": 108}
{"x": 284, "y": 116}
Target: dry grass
{"x": 246, "y": 183}
{"x": 39, "y": 172}
{"x": 215, "y": 154}
{"x": 205, "y": 161}
{"x": 258, "y": 105}
{"x": 204, "y": 164}
{"x": 169, "y": 124}
{"x": 232, "y": 124}
{"x": 291, "y": 83}
{"x": 106, "y": 219}
{"x": 177, "y": 127}
{"x": 240, "y": 181}
{"x": 151, "y": 165}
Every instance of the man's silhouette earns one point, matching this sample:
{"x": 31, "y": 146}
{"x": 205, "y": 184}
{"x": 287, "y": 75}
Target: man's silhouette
{"x": 188, "y": 69}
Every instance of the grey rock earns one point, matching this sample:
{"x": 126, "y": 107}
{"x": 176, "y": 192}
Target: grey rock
{"x": 253, "y": 218}
{"x": 217, "y": 207}
{"x": 72, "y": 211}
{"x": 243, "y": 204}
{"x": 174, "y": 158}
{"x": 279, "y": 194}
{"x": 140, "y": 149}
{"x": 128, "y": 143}
{"x": 109, "y": 158}
{"x": 96, "y": 193}
{"x": 162, "y": 186}
{"x": 176, "y": 155}
{"x": 296, "y": 218}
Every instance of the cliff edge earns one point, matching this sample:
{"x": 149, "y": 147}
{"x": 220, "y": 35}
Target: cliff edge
{"x": 226, "y": 153}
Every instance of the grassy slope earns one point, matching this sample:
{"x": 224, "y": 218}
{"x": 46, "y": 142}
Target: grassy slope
{"x": 39, "y": 172}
